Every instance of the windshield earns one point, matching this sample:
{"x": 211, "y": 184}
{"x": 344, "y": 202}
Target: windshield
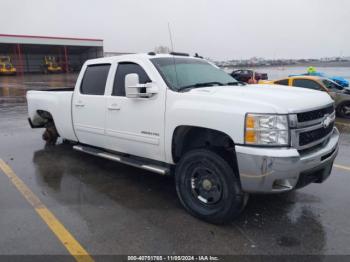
{"x": 180, "y": 73}
{"x": 332, "y": 85}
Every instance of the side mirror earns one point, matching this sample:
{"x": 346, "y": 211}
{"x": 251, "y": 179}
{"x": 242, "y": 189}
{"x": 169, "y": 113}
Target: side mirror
{"x": 133, "y": 88}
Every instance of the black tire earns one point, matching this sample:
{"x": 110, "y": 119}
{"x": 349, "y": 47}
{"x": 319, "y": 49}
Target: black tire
{"x": 50, "y": 135}
{"x": 66, "y": 141}
{"x": 343, "y": 110}
{"x": 223, "y": 193}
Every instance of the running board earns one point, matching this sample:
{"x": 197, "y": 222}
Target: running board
{"x": 122, "y": 159}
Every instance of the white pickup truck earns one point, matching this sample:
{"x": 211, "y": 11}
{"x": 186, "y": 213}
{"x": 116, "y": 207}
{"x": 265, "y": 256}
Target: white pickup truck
{"x": 183, "y": 116}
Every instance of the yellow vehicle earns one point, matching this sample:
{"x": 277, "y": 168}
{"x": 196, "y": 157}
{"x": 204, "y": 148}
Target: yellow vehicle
{"x": 340, "y": 95}
{"x": 6, "y": 67}
{"x": 50, "y": 65}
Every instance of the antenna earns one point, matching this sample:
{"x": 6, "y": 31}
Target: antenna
{"x": 171, "y": 38}
{"x": 172, "y": 51}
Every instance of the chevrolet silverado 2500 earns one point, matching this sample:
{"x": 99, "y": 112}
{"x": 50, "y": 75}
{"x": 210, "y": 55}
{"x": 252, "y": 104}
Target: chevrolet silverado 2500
{"x": 180, "y": 115}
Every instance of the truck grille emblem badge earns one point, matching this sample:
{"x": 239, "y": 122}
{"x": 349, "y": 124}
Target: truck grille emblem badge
{"x": 327, "y": 121}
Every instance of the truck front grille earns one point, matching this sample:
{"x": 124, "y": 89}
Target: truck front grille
{"x": 314, "y": 135}
{"x": 315, "y": 114}
{"x": 312, "y": 127}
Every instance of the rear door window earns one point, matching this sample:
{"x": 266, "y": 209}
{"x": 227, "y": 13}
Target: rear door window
{"x": 94, "y": 80}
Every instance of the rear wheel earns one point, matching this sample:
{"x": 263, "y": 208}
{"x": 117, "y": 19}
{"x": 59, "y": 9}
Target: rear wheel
{"x": 50, "y": 135}
{"x": 208, "y": 187}
{"x": 343, "y": 110}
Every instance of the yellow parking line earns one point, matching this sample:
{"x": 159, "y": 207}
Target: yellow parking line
{"x": 342, "y": 167}
{"x": 67, "y": 239}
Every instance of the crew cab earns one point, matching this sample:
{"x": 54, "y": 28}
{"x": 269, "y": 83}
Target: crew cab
{"x": 179, "y": 115}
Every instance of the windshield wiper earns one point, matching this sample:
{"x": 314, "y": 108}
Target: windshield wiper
{"x": 204, "y": 84}
{"x": 237, "y": 83}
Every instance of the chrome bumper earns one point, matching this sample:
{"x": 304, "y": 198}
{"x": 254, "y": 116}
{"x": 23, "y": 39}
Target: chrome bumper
{"x": 273, "y": 170}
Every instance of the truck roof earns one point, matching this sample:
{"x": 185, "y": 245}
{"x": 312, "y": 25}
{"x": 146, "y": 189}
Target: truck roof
{"x": 147, "y": 56}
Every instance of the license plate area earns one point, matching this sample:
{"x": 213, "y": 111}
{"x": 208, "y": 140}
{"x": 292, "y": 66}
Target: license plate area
{"x": 316, "y": 175}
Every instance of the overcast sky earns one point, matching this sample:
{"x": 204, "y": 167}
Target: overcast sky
{"x": 220, "y": 29}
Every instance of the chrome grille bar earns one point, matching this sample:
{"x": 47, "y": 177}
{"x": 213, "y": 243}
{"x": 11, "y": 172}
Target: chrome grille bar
{"x": 298, "y": 128}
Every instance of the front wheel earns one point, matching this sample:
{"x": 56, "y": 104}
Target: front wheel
{"x": 208, "y": 187}
{"x": 343, "y": 110}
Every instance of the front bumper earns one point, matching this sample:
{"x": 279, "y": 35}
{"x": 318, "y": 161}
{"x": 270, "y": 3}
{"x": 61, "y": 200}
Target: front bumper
{"x": 273, "y": 170}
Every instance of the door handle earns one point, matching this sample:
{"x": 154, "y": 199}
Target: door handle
{"x": 79, "y": 104}
{"x": 113, "y": 107}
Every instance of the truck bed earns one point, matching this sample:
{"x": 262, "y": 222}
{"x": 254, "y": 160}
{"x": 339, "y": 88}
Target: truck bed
{"x": 58, "y": 102}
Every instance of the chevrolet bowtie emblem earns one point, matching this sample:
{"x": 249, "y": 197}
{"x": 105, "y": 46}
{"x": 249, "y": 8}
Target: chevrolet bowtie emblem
{"x": 327, "y": 121}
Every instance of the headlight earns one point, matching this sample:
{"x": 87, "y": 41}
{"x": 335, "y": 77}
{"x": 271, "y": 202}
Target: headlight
{"x": 270, "y": 130}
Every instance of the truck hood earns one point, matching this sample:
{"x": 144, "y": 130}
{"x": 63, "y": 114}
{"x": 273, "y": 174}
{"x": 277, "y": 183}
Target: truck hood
{"x": 267, "y": 98}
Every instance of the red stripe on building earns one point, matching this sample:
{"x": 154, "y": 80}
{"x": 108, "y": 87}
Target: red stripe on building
{"x": 52, "y": 37}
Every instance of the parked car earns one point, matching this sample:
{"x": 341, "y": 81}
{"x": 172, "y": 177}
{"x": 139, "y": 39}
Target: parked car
{"x": 220, "y": 140}
{"x": 6, "y": 66}
{"x": 338, "y": 79}
{"x": 340, "y": 95}
{"x": 245, "y": 75}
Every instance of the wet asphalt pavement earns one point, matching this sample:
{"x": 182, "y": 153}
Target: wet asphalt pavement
{"x": 115, "y": 209}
